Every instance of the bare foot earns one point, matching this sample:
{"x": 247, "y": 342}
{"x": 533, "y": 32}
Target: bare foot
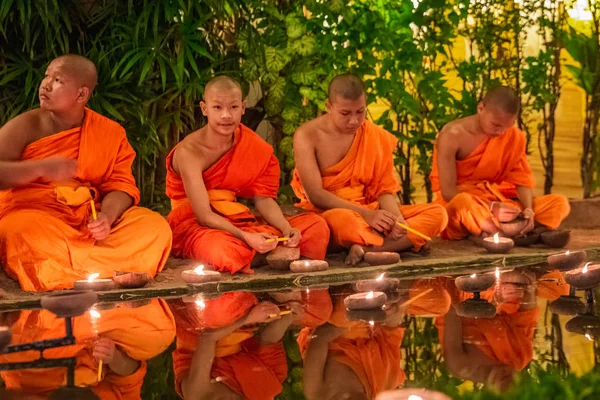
{"x": 259, "y": 260}
{"x": 246, "y": 271}
{"x": 355, "y": 255}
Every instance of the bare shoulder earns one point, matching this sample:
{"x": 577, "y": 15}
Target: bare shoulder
{"x": 306, "y": 135}
{"x": 188, "y": 152}
{"x": 452, "y": 134}
{"x": 25, "y": 122}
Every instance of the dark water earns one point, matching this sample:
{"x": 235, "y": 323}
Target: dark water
{"x": 502, "y": 342}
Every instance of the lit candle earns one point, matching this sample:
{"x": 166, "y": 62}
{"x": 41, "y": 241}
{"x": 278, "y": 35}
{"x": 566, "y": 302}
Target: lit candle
{"x": 381, "y": 284}
{"x": 584, "y": 277}
{"x": 567, "y": 260}
{"x": 309, "y": 265}
{"x": 131, "y": 280}
{"x": 497, "y": 244}
{"x": 95, "y": 284}
{"x": 365, "y": 301}
{"x": 475, "y": 283}
{"x": 589, "y": 337}
{"x": 382, "y": 258}
{"x": 199, "y": 275}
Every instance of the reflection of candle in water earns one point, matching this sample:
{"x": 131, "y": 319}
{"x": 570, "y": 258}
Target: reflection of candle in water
{"x": 567, "y": 253}
{"x": 381, "y": 277}
{"x": 585, "y": 268}
{"x": 588, "y": 337}
{"x": 370, "y": 295}
{"x": 474, "y": 276}
{"x": 372, "y": 323}
{"x": 497, "y": 273}
{"x": 95, "y": 316}
{"x": 200, "y": 304}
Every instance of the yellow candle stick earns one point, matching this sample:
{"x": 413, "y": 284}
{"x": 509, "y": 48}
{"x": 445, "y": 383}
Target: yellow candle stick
{"x": 280, "y": 314}
{"x": 99, "y": 370}
{"x": 281, "y": 239}
{"x": 94, "y": 215}
{"x": 411, "y": 230}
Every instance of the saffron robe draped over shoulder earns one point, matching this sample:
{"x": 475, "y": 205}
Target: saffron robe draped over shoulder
{"x": 142, "y": 333}
{"x": 491, "y": 173}
{"x": 364, "y": 174}
{"x": 247, "y": 170}
{"x": 44, "y": 240}
{"x": 240, "y": 361}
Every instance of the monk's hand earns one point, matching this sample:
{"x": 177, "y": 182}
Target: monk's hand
{"x": 504, "y": 212}
{"x": 296, "y": 309}
{"x": 262, "y": 312}
{"x": 57, "y": 169}
{"x": 397, "y": 231}
{"x": 529, "y": 215}
{"x": 100, "y": 227}
{"x": 258, "y": 241}
{"x": 294, "y": 235}
{"x": 380, "y": 220}
{"x": 105, "y": 350}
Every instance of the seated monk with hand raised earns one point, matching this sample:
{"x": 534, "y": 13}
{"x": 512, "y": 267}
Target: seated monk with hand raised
{"x": 214, "y": 165}
{"x": 482, "y": 176}
{"x": 345, "y": 170}
{"x": 65, "y": 155}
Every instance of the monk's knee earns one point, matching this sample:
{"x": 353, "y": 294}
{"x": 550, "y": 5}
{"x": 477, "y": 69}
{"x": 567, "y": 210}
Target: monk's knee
{"x": 559, "y": 204}
{"x": 25, "y": 223}
{"x": 439, "y": 214}
{"x": 318, "y": 227}
{"x": 154, "y": 224}
{"x": 339, "y": 219}
{"x": 459, "y": 204}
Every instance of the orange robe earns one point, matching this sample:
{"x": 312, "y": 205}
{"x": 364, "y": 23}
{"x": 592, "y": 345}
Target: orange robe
{"x": 372, "y": 352}
{"x": 44, "y": 241}
{"x": 239, "y": 359}
{"x": 364, "y": 174}
{"x": 249, "y": 169}
{"x": 142, "y": 333}
{"x": 506, "y": 338}
{"x": 491, "y": 173}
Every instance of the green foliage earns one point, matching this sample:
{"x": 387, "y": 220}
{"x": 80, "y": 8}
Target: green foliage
{"x": 160, "y": 378}
{"x": 292, "y": 386}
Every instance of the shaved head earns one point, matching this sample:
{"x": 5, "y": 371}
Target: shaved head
{"x": 348, "y": 86}
{"x": 80, "y": 68}
{"x": 503, "y": 98}
{"x": 222, "y": 83}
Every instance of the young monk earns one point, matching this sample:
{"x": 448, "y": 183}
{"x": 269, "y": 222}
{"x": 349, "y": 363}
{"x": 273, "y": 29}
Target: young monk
{"x": 482, "y": 176}
{"x": 209, "y": 169}
{"x": 345, "y": 170}
{"x": 65, "y": 155}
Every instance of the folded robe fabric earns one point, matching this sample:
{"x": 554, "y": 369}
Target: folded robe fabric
{"x": 247, "y": 170}
{"x": 44, "y": 240}
{"x": 364, "y": 174}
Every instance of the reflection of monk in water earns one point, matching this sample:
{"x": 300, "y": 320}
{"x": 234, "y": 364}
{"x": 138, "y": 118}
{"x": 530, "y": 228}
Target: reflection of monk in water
{"x": 222, "y": 354}
{"x": 357, "y": 360}
{"x": 123, "y": 338}
{"x": 492, "y": 350}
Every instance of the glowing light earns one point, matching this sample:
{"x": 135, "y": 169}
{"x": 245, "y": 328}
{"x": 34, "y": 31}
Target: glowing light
{"x": 94, "y": 314}
{"x": 306, "y": 264}
{"x": 199, "y": 270}
{"x": 200, "y": 304}
{"x": 496, "y": 238}
{"x": 372, "y": 323}
{"x": 585, "y": 268}
{"x": 580, "y": 11}
{"x": 567, "y": 253}
{"x": 414, "y": 397}
{"x": 589, "y": 337}
{"x": 474, "y": 276}
{"x": 92, "y": 277}
{"x": 497, "y": 273}
{"x": 370, "y": 295}
{"x": 380, "y": 277}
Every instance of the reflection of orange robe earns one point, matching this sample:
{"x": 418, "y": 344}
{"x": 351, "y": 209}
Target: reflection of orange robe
{"x": 506, "y": 338}
{"x": 490, "y": 173}
{"x": 239, "y": 358}
{"x": 44, "y": 242}
{"x": 142, "y": 333}
{"x": 373, "y": 353}
{"x": 430, "y": 298}
{"x": 364, "y": 174}
{"x": 248, "y": 170}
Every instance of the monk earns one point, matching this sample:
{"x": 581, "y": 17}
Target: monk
{"x": 345, "y": 171}
{"x": 65, "y": 155}
{"x": 482, "y": 176}
{"x": 221, "y": 352}
{"x": 213, "y": 166}
{"x": 123, "y": 338}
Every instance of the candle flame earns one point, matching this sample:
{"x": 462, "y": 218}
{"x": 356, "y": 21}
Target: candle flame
{"x": 414, "y": 397}
{"x": 372, "y": 323}
{"x": 496, "y": 238}
{"x": 199, "y": 270}
{"x": 200, "y": 304}
{"x": 370, "y": 295}
{"x": 94, "y": 314}
{"x": 567, "y": 253}
{"x": 474, "y": 276}
{"x": 380, "y": 277}
{"x": 306, "y": 264}
{"x": 92, "y": 277}
{"x": 585, "y": 268}
{"x": 497, "y": 273}
{"x": 589, "y": 337}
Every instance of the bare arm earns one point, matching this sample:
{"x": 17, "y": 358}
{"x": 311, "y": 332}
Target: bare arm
{"x": 308, "y": 168}
{"x": 525, "y": 196}
{"x": 189, "y": 165}
{"x": 270, "y": 211}
{"x": 273, "y": 332}
{"x": 316, "y": 359}
{"x": 123, "y": 365}
{"x": 388, "y": 203}
{"x": 114, "y": 205}
{"x": 447, "y": 149}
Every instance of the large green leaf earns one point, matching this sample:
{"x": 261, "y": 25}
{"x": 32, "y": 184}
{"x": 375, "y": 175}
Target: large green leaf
{"x": 275, "y": 59}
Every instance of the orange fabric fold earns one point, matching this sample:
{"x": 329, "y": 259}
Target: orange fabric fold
{"x": 249, "y": 169}
{"x": 364, "y": 174}
{"x": 372, "y": 352}
{"x": 44, "y": 241}
{"x": 240, "y": 362}
{"x": 491, "y": 173}
{"x": 142, "y": 333}
{"x": 506, "y": 338}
